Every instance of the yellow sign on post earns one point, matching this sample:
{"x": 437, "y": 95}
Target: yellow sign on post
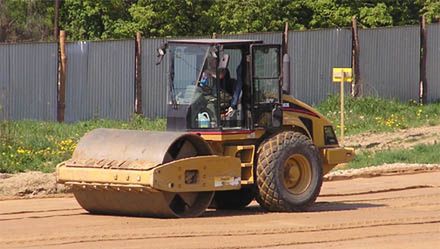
{"x": 342, "y": 75}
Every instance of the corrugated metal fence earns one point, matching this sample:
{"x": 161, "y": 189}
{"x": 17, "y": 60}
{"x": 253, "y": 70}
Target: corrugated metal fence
{"x": 433, "y": 62}
{"x": 29, "y": 79}
{"x": 313, "y": 54}
{"x": 100, "y": 80}
{"x": 4, "y": 82}
{"x": 154, "y": 80}
{"x": 389, "y": 62}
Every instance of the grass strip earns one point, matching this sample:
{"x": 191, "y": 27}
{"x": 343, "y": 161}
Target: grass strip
{"x": 429, "y": 154}
{"x": 370, "y": 114}
{"x": 36, "y": 145}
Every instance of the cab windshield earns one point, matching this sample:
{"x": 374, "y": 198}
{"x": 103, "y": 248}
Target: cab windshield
{"x": 186, "y": 66}
{"x": 192, "y": 82}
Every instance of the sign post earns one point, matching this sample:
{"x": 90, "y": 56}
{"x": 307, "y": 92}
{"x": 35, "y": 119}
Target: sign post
{"x": 342, "y": 75}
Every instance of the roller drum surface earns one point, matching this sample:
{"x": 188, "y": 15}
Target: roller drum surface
{"x": 129, "y": 145}
{"x": 151, "y": 204}
{"x": 151, "y": 148}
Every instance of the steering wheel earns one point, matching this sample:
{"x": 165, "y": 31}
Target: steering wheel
{"x": 206, "y": 90}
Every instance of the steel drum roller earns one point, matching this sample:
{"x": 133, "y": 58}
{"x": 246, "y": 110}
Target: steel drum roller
{"x": 146, "y": 150}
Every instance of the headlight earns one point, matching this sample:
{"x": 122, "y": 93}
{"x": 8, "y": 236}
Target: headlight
{"x": 330, "y": 136}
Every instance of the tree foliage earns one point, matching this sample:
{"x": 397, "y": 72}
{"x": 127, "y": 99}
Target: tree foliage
{"x": 113, "y": 19}
{"x": 25, "y": 20}
{"x": 432, "y": 9}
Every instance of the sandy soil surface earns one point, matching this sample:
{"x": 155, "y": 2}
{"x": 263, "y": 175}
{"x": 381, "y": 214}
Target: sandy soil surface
{"x": 400, "y": 139}
{"x": 387, "y": 206}
{"x": 395, "y": 211}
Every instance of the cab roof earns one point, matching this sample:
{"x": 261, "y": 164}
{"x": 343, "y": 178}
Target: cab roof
{"x": 215, "y": 41}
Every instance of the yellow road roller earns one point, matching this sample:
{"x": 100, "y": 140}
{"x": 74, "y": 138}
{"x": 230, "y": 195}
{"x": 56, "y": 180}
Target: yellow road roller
{"x": 233, "y": 135}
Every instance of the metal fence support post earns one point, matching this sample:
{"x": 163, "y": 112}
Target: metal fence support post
{"x": 138, "y": 74}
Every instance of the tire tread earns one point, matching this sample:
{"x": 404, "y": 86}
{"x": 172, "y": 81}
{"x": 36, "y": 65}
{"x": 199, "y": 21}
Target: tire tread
{"x": 268, "y": 194}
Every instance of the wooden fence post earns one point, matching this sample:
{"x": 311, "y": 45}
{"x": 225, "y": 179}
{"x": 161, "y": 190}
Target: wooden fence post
{"x": 63, "y": 72}
{"x": 55, "y": 22}
{"x": 285, "y": 39}
{"x": 138, "y": 74}
{"x": 423, "y": 84}
{"x": 356, "y": 86}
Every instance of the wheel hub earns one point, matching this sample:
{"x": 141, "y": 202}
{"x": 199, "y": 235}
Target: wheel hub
{"x": 297, "y": 174}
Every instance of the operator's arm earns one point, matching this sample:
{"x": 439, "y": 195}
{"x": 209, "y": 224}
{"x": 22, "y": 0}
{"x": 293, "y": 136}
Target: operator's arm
{"x": 237, "y": 88}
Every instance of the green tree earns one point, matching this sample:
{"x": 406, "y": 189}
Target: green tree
{"x": 379, "y": 15}
{"x": 93, "y": 19}
{"x": 159, "y": 18}
{"x": 432, "y": 10}
{"x": 236, "y": 16}
{"x": 113, "y": 19}
{"x": 24, "y": 20}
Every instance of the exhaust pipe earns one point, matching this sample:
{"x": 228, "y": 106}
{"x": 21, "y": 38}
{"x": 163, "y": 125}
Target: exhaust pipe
{"x": 286, "y": 74}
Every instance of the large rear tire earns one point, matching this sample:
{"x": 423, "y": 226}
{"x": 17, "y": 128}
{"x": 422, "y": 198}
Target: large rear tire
{"x": 289, "y": 172}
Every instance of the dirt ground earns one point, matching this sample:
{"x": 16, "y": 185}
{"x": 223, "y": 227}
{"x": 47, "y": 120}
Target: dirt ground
{"x": 393, "y": 211}
{"x": 387, "y": 206}
{"x": 400, "y": 139}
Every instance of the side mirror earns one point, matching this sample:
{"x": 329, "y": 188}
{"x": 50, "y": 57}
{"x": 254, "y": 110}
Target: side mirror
{"x": 277, "y": 116}
{"x": 161, "y": 51}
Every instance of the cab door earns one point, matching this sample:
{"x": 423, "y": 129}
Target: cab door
{"x": 266, "y": 85}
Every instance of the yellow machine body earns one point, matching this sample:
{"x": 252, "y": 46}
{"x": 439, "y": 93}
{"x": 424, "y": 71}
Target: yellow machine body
{"x": 180, "y": 174}
{"x": 212, "y": 173}
{"x": 110, "y": 167}
{"x": 332, "y": 155}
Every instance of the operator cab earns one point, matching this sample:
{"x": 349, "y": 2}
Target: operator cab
{"x": 220, "y": 85}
